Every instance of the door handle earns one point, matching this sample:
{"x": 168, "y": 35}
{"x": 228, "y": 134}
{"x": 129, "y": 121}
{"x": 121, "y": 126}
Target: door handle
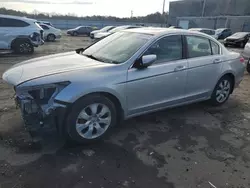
{"x": 179, "y": 68}
{"x": 216, "y": 61}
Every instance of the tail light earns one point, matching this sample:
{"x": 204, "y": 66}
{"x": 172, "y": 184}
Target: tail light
{"x": 242, "y": 60}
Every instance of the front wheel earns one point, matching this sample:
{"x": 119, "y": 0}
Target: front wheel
{"x": 90, "y": 119}
{"x": 222, "y": 91}
{"x": 248, "y": 66}
{"x": 51, "y": 38}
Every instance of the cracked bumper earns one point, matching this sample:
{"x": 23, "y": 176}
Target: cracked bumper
{"x": 41, "y": 118}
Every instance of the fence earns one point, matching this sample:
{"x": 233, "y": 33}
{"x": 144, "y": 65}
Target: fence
{"x": 68, "y": 24}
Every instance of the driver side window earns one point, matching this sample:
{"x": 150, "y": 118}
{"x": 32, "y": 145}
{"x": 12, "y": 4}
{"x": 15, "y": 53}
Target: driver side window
{"x": 166, "y": 49}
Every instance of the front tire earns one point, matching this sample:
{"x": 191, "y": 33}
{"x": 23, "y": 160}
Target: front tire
{"x": 222, "y": 91}
{"x": 75, "y": 33}
{"x": 90, "y": 119}
{"x": 51, "y": 38}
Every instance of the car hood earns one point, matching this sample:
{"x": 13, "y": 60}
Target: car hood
{"x": 48, "y": 65}
{"x": 95, "y": 31}
{"x": 235, "y": 38}
{"x": 102, "y": 34}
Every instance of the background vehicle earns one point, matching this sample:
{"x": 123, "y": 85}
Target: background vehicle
{"x": 50, "y": 33}
{"x": 105, "y": 29}
{"x": 19, "y": 34}
{"x": 81, "y": 30}
{"x": 237, "y": 39}
{"x": 44, "y": 22}
{"x": 175, "y": 27}
{"x": 246, "y": 55}
{"x": 102, "y": 35}
{"x": 210, "y": 32}
{"x": 126, "y": 74}
{"x": 223, "y": 33}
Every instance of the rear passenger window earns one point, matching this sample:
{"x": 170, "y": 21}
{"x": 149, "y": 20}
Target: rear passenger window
{"x": 198, "y": 46}
{"x": 167, "y": 49}
{"x": 215, "y": 48}
{"x": 10, "y": 22}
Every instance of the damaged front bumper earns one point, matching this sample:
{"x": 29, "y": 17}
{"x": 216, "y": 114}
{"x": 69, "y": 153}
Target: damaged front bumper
{"x": 40, "y": 111}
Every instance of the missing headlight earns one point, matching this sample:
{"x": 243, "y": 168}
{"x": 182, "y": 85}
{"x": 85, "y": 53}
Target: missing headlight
{"x": 42, "y": 95}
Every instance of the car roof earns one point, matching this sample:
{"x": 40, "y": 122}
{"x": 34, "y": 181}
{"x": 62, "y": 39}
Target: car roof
{"x": 18, "y": 18}
{"x": 158, "y": 31}
{"x": 198, "y": 29}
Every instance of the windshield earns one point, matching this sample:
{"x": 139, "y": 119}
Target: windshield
{"x": 117, "y": 48}
{"x": 118, "y": 29}
{"x": 219, "y": 30}
{"x": 106, "y": 28}
{"x": 239, "y": 34}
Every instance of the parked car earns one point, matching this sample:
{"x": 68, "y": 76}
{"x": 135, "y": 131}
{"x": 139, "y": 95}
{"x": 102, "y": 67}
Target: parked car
{"x": 246, "y": 55}
{"x": 50, "y": 33}
{"x": 237, "y": 39}
{"x": 84, "y": 94}
{"x": 105, "y": 29}
{"x": 102, "y": 35}
{"x": 210, "y": 32}
{"x": 223, "y": 33}
{"x": 19, "y": 34}
{"x": 81, "y": 30}
{"x": 44, "y": 22}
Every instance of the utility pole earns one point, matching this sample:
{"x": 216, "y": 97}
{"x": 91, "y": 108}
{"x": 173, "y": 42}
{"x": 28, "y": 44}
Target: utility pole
{"x": 204, "y": 6}
{"x": 163, "y": 12}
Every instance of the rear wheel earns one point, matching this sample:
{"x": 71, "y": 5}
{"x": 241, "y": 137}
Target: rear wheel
{"x": 23, "y": 47}
{"x": 90, "y": 119}
{"x": 222, "y": 91}
{"x": 248, "y": 66}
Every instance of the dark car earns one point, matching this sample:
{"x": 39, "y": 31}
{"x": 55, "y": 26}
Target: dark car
{"x": 81, "y": 30}
{"x": 246, "y": 55}
{"x": 223, "y": 33}
{"x": 237, "y": 39}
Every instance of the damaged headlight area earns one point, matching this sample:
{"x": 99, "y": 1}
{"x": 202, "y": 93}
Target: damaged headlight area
{"x": 38, "y": 106}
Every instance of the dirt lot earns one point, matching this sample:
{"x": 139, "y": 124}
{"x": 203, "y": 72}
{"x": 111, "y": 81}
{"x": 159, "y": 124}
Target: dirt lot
{"x": 186, "y": 147}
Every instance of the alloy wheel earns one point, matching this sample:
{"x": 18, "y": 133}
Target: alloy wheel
{"x": 93, "y": 121}
{"x": 25, "y": 48}
{"x": 223, "y": 91}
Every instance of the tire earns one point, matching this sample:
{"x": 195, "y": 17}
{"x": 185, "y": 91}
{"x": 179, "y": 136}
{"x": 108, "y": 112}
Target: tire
{"x": 248, "y": 66}
{"x": 23, "y": 47}
{"x": 88, "y": 127}
{"x": 51, "y": 38}
{"x": 224, "y": 90}
{"x": 75, "y": 33}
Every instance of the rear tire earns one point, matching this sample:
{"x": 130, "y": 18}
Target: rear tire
{"x": 23, "y": 47}
{"x": 51, "y": 38}
{"x": 84, "y": 126}
{"x": 222, "y": 91}
{"x": 248, "y": 66}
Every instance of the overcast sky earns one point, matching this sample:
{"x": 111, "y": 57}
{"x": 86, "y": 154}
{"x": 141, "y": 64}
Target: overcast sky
{"x": 119, "y": 8}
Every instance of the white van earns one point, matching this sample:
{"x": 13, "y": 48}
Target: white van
{"x": 19, "y": 34}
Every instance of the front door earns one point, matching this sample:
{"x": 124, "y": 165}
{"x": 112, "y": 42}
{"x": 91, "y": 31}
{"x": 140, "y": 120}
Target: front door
{"x": 205, "y": 63}
{"x": 161, "y": 84}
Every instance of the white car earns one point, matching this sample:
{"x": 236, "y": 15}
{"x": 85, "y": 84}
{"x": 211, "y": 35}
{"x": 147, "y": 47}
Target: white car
{"x": 19, "y": 34}
{"x": 102, "y": 35}
{"x": 105, "y": 29}
{"x": 50, "y": 33}
{"x": 210, "y": 32}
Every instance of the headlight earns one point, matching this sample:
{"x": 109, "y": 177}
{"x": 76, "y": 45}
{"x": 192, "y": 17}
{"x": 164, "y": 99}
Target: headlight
{"x": 43, "y": 93}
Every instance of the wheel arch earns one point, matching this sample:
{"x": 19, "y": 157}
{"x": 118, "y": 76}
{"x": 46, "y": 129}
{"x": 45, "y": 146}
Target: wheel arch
{"x": 19, "y": 38}
{"x": 232, "y": 76}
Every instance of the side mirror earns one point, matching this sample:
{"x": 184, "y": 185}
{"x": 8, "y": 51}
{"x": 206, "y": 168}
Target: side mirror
{"x": 148, "y": 60}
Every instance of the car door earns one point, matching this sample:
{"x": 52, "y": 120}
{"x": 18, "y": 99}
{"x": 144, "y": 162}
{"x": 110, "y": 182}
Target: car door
{"x": 46, "y": 30}
{"x": 81, "y": 30}
{"x": 5, "y": 34}
{"x": 161, "y": 84}
{"x": 205, "y": 63}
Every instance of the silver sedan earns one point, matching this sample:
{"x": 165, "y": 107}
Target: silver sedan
{"x": 85, "y": 93}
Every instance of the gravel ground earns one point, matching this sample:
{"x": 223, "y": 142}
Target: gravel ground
{"x": 185, "y": 147}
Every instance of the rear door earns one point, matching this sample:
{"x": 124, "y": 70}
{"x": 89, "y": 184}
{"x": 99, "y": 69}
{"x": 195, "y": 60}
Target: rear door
{"x": 205, "y": 63}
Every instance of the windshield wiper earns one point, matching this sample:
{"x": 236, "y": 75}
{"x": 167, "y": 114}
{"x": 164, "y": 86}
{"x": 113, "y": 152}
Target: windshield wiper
{"x": 93, "y": 57}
